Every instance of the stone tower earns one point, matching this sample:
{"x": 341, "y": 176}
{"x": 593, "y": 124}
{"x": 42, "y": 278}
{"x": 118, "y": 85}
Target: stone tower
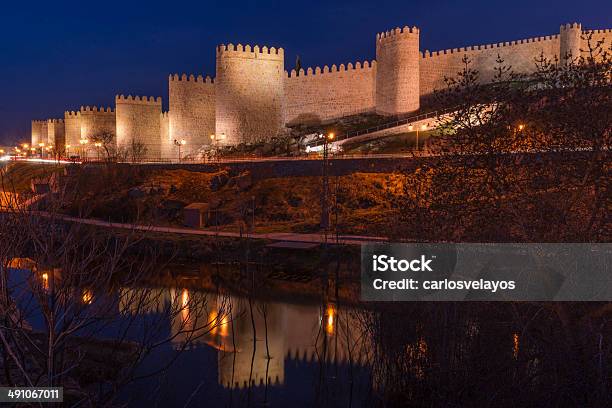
{"x": 397, "y": 73}
{"x": 570, "y": 41}
{"x": 94, "y": 121}
{"x": 192, "y": 112}
{"x": 56, "y": 134}
{"x": 37, "y": 126}
{"x": 72, "y": 123}
{"x": 250, "y": 98}
{"x": 138, "y": 121}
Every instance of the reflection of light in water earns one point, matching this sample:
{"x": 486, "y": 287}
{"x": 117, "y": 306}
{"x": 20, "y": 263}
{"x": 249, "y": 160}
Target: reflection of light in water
{"x": 45, "y": 280}
{"x": 87, "y": 296}
{"x": 216, "y": 326}
{"x": 515, "y": 345}
{"x": 185, "y": 305}
{"x": 212, "y": 320}
{"x": 330, "y": 321}
{"x": 223, "y": 328}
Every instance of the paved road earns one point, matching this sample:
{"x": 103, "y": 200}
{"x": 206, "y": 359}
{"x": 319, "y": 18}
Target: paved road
{"x": 272, "y": 236}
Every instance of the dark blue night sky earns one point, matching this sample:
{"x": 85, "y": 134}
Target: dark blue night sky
{"x": 61, "y": 55}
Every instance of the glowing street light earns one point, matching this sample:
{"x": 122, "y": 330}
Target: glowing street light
{"x": 83, "y": 143}
{"x": 521, "y": 127}
{"x": 324, "y": 201}
{"x": 423, "y": 128}
{"x": 98, "y": 145}
{"x": 180, "y": 143}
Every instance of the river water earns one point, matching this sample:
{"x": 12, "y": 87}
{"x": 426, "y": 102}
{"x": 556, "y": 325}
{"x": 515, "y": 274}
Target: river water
{"x": 228, "y": 348}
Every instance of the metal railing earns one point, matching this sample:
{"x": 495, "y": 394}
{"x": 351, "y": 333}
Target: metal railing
{"x": 400, "y": 121}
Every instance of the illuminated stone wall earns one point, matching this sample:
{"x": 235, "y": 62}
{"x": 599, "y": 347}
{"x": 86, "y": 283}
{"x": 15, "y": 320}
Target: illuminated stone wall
{"x": 56, "y": 134}
{"x": 321, "y": 94}
{"x": 95, "y": 121}
{"x": 72, "y": 125}
{"x": 397, "y": 72}
{"x": 139, "y": 123}
{"x": 37, "y": 126}
{"x": 250, "y": 98}
{"x": 192, "y": 111}
{"x": 253, "y": 98}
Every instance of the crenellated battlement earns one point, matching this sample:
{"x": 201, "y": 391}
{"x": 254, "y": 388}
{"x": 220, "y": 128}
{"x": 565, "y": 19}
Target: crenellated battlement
{"x": 251, "y": 97}
{"x": 568, "y": 26}
{"x": 191, "y": 78}
{"x": 309, "y": 72}
{"x": 599, "y": 31}
{"x": 393, "y": 34}
{"x": 474, "y": 48}
{"x": 231, "y": 50}
{"x": 138, "y": 100}
{"x": 101, "y": 109}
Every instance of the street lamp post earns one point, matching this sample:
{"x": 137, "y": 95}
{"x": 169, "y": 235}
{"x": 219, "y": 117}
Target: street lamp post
{"x": 324, "y": 199}
{"x": 423, "y": 128}
{"x": 183, "y": 142}
{"x": 98, "y": 146}
{"x": 42, "y": 150}
{"x": 83, "y": 143}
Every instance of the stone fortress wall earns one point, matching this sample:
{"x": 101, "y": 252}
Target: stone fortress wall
{"x": 323, "y": 94}
{"x": 94, "y": 121}
{"x": 44, "y": 132}
{"x": 192, "y": 117}
{"x": 56, "y": 133}
{"x": 165, "y": 144}
{"x": 253, "y": 98}
{"x": 397, "y": 75}
{"x": 250, "y": 98}
{"x": 72, "y": 124}
{"x": 521, "y": 55}
{"x": 36, "y": 132}
{"x": 138, "y": 123}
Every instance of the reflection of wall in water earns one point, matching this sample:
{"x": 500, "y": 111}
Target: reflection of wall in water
{"x": 235, "y": 368}
{"x": 302, "y": 332}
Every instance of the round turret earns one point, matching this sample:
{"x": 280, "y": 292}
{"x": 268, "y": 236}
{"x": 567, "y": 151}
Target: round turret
{"x": 570, "y": 41}
{"x": 250, "y": 97}
{"x": 397, "y": 72}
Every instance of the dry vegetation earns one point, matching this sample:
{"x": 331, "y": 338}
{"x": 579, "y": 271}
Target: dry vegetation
{"x": 281, "y": 204}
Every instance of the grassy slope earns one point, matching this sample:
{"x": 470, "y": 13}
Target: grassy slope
{"x": 16, "y": 177}
{"x": 282, "y": 204}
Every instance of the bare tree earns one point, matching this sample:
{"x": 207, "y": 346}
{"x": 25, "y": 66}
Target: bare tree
{"x": 107, "y": 142}
{"x": 134, "y": 152}
{"x": 90, "y": 287}
{"x": 521, "y": 159}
